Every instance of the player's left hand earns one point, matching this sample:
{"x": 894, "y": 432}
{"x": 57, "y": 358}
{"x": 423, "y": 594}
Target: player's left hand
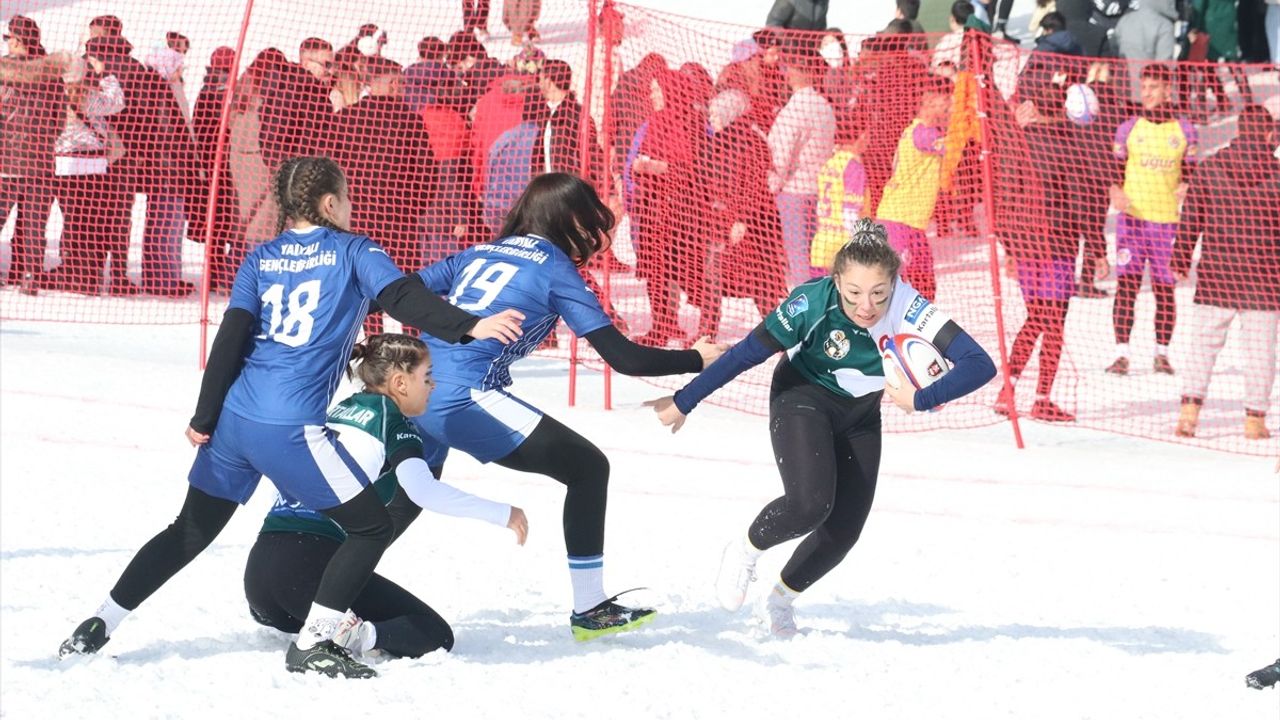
{"x": 519, "y": 524}
{"x": 1181, "y": 192}
{"x": 904, "y": 396}
{"x": 196, "y": 438}
{"x": 668, "y": 414}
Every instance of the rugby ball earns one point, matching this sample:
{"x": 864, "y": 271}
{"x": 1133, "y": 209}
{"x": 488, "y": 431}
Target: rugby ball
{"x": 1081, "y": 104}
{"x": 918, "y": 359}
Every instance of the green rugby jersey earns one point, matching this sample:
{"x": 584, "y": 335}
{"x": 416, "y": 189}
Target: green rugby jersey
{"x": 826, "y": 347}
{"x": 374, "y": 431}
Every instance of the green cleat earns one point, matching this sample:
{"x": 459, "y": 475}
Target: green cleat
{"x": 608, "y": 618}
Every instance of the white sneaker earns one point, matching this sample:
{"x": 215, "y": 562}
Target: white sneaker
{"x": 355, "y": 635}
{"x": 782, "y": 618}
{"x": 737, "y": 571}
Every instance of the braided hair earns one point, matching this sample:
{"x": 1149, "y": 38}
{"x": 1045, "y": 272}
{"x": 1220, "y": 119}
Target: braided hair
{"x": 382, "y": 354}
{"x": 300, "y": 184}
{"x": 868, "y": 245}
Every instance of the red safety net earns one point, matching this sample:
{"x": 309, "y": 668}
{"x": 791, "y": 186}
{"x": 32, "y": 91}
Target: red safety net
{"x": 136, "y": 175}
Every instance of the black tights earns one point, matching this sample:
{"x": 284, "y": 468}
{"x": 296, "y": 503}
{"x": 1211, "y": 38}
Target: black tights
{"x": 1047, "y": 318}
{"x": 364, "y": 518}
{"x": 1122, "y": 312}
{"x": 828, "y": 453}
{"x": 565, "y": 456}
{"x": 283, "y": 573}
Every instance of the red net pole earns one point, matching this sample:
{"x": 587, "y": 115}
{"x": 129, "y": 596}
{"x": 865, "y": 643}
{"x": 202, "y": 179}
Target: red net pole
{"x": 214, "y": 180}
{"x": 982, "y": 65}
{"x": 584, "y": 166}
{"x": 611, "y": 21}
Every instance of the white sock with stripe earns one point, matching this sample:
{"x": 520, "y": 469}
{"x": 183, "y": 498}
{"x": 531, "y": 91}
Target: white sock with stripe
{"x": 782, "y": 595}
{"x": 587, "y": 576}
{"x": 321, "y": 624}
{"x": 112, "y": 615}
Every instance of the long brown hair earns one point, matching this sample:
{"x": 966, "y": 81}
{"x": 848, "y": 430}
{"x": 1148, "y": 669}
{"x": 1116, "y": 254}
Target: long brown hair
{"x": 566, "y": 210}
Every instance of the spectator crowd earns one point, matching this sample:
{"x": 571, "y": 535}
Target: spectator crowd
{"x": 737, "y": 184}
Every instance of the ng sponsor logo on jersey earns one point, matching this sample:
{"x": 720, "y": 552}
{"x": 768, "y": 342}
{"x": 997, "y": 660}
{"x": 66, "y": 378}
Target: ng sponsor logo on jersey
{"x": 917, "y": 306}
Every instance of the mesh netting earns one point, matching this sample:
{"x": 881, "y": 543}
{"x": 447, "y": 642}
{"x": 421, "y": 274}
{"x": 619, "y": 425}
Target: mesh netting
{"x": 1027, "y": 193}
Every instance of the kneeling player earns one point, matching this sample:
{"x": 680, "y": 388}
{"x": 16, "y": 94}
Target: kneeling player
{"x": 296, "y": 543}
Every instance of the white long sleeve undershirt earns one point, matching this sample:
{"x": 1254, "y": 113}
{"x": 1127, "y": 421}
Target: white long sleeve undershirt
{"x": 431, "y": 494}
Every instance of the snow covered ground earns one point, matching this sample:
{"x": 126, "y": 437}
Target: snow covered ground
{"x": 1090, "y": 576}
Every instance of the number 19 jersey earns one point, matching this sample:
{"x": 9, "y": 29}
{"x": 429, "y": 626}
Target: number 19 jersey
{"x": 525, "y": 273}
{"x": 310, "y": 291}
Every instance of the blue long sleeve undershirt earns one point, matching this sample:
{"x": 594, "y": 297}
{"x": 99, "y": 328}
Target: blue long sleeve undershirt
{"x": 972, "y": 368}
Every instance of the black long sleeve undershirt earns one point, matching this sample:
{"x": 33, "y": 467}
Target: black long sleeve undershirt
{"x": 230, "y": 347}
{"x": 629, "y": 358}
{"x": 410, "y": 302}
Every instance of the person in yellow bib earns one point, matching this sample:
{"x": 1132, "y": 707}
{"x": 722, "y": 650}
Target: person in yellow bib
{"x": 912, "y": 192}
{"x": 1157, "y": 148}
{"x": 842, "y": 193}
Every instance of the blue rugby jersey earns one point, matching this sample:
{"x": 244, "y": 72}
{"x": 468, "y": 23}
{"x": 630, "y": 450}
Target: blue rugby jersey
{"x": 525, "y": 273}
{"x": 310, "y": 291}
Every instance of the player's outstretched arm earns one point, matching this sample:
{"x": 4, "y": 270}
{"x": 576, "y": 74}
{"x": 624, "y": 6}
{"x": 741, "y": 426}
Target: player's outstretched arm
{"x": 428, "y": 493}
{"x": 629, "y": 358}
{"x": 755, "y": 348}
{"x": 226, "y": 358}
{"x": 409, "y": 301}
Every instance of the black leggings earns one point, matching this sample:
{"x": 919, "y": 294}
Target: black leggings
{"x": 561, "y": 454}
{"x": 1047, "y": 318}
{"x": 827, "y": 449}
{"x": 283, "y": 572}
{"x": 1127, "y": 295}
{"x": 364, "y": 518}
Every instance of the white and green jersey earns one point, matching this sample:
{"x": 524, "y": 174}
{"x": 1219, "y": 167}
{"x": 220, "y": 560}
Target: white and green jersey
{"x": 827, "y": 347}
{"x": 377, "y": 435}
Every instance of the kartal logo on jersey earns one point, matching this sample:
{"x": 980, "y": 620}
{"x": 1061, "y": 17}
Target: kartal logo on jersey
{"x": 836, "y": 346}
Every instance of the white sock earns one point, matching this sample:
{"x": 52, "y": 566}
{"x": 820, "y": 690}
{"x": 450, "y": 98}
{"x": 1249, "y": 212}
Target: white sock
{"x": 587, "y": 576}
{"x": 750, "y": 551}
{"x": 1123, "y": 350}
{"x": 370, "y": 638}
{"x": 112, "y": 614}
{"x": 321, "y": 624}
{"x": 782, "y": 595}
{"x": 1162, "y": 350}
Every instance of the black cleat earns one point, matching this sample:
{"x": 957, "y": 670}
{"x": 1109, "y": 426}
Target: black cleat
{"x": 88, "y": 638}
{"x": 1264, "y": 678}
{"x": 328, "y": 658}
{"x": 608, "y": 618}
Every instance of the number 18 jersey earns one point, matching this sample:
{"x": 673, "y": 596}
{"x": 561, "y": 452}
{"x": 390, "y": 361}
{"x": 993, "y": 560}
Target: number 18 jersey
{"x": 310, "y": 291}
{"x": 525, "y": 273}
